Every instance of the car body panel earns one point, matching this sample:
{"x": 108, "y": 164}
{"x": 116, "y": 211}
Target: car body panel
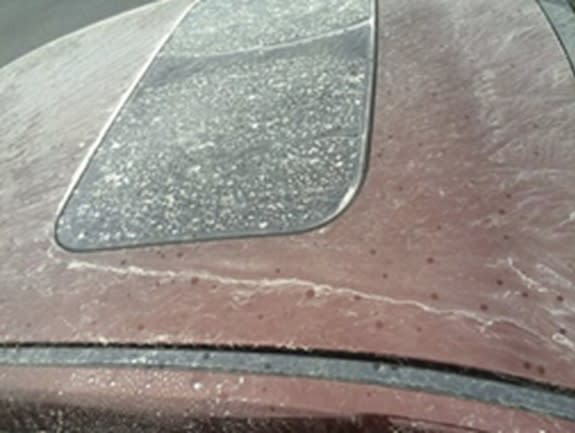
{"x": 180, "y": 398}
{"x": 459, "y": 248}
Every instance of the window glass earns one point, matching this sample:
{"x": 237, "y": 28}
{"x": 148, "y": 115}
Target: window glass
{"x": 252, "y": 120}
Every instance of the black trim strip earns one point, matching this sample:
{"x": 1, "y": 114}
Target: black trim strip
{"x": 432, "y": 378}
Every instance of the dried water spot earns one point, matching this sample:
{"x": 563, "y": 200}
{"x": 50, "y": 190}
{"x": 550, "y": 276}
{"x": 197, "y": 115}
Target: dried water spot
{"x": 508, "y": 195}
{"x": 194, "y": 280}
{"x": 373, "y": 251}
{"x": 385, "y": 276}
{"x": 499, "y": 282}
{"x": 502, "y": 211}
{"x": 357, "y": 297}
{"x": 434, "y": 296}
{"x": 527, "y": 365}
{"x": 419, "y": 329}
{"x": 560, "y": 298}
{"x": 439, "y": 227}
{"x": 562, "y": 331}
{"x": 260, "y": 316}
{"x": 506, "y": 237}
{"x": 180, "y": 255}
{"x": 378, "y": 324}
{"x": 310, "y": 294}
{"x": 123, "y": 262}
{"x": 140, "y": 327}
{"x": 400, "y": 188}
{"x": 541, "y": 370}
{"x": 430, "y": 260}
{"x": 484, "y": 307}
{"x": 525, "y": 294}
{"x": 278, "y": 271}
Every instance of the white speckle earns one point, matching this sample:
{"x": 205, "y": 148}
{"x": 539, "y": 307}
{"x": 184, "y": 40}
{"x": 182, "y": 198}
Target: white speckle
{"x": 197, "y": 386}
{"x": 263, "y": 225}
{"x": 564, "y": 341}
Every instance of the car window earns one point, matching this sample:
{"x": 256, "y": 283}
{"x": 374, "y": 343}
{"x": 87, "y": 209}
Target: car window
{"x": 251, "y": 121}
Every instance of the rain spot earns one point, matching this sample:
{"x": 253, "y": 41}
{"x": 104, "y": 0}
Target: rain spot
{"x": 435, "y": 296}
{"x": 430, "y": 260}
{"x": 310, "y": 294}
{"x": 379, "y": 324}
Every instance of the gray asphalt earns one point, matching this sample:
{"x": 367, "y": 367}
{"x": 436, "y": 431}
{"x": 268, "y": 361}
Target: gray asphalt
{"x": 28, "y": 24}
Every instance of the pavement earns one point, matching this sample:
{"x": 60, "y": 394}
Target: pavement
{"x": 29, "y": 24}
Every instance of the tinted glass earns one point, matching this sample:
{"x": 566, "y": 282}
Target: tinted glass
{"x": 252, "y": 120}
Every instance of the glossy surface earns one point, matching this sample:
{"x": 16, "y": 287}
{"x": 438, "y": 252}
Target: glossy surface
{"x": 171, "y": 399}
{"x": 459, "y": 248}
{"x": 268, "y": 137}
{"x": 398, "y": 374}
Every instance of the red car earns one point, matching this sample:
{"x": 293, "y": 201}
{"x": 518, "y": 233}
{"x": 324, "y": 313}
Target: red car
{"x": 315, "y": 215}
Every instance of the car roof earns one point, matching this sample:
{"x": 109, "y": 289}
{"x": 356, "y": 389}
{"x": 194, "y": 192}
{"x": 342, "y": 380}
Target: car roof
{"x": 458, "y": 249}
